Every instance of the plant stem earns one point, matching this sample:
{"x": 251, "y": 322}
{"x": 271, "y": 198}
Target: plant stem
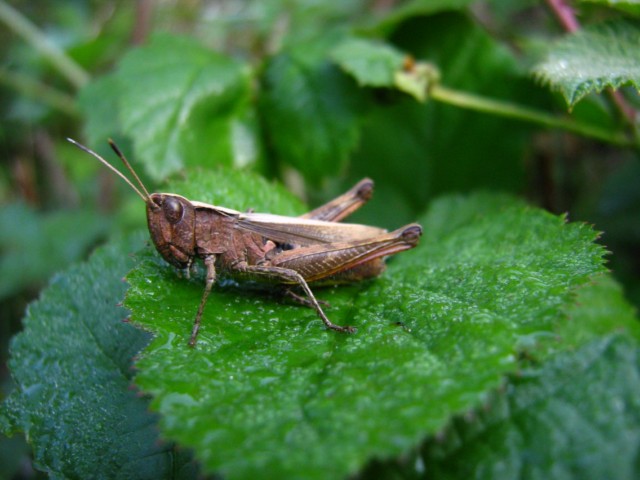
{"x": 564, "y": 13}
{"x": 32, "y": 35}
{"x": 35, "y": 89}
{"x": 511, "y": 110}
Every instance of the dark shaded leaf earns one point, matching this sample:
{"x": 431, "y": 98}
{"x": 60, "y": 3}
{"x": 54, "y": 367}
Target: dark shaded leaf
{"x": 34, "y": 246}
{"x": 72, "y": 368}
{"x": 98, "y": 102}
{"x": 311, "y": 112}
{"x": 576, "y": 417}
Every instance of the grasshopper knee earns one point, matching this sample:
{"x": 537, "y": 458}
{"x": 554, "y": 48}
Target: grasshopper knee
{"x": 411, "y": 233}
{"x": 365, "y": 189}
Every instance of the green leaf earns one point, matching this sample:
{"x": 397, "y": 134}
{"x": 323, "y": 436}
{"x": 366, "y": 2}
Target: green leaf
{"x": 183, "y": 104}
{"x": 34, "y": 245}
{"x": 416, "y": 8}
{"x": 419, "y": 151}
{"x": 98, "y": 102}
{"x": 13, "y": 452}
{"x": 577, "y": 417}
{"x": 593, "y": 59}
{"x": 631, "y": 7}
{"x": 570, "y": 418}
{"x": 269, "y": 392}
{"x": 370, "y": 62}
{"x": 377, "y": 64}
{"x": 311, "y": 113}
{"x": 72, "y": 368}
{"x": 600, "y": 309}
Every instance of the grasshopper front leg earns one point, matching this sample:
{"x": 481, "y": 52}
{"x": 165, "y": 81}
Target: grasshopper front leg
{"x": 209, "y": 262}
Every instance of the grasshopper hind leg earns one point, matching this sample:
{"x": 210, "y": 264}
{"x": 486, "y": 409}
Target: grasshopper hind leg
{"x": 344, "y": 205}
{"x": 291, "y": 277}
{"x": 209, "y": 263}
{"x": 302, "y": 300}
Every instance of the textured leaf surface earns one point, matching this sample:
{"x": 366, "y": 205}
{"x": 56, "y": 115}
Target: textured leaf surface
{"x": 183, "y": 104}
{"x": 269, "y": 392}
{"x": 592, "y": 59}
{"x": 72, "y": 368}
{"x": 311, "y": 113}
{"x": 575, "y": 417}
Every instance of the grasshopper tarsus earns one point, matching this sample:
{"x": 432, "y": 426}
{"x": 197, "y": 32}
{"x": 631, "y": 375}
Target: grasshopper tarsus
{"x": 346, "y": 329}
{"x": 312, "y": 248}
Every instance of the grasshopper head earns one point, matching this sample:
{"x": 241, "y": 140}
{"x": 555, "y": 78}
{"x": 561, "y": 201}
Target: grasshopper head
{"x": 171, "y": 220}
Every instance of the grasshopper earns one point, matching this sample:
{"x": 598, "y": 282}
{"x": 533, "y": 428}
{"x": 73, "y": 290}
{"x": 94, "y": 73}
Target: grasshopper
{"x": 290, "y": 251}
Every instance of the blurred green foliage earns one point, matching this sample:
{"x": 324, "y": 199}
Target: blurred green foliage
{"x": 316, "y": 95}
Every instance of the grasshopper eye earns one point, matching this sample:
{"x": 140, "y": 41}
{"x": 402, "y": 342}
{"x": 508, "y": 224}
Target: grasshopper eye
{"x": 173, "y": 210}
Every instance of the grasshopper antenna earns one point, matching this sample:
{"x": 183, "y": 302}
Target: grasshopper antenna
{"x": 146, "y": 197}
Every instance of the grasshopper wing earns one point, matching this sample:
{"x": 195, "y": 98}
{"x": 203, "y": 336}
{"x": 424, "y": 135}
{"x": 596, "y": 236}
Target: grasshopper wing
{"x": 302, "y": 231}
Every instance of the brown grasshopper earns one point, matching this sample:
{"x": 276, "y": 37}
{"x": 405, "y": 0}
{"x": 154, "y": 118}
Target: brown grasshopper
{"x": 290, "y": 251}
